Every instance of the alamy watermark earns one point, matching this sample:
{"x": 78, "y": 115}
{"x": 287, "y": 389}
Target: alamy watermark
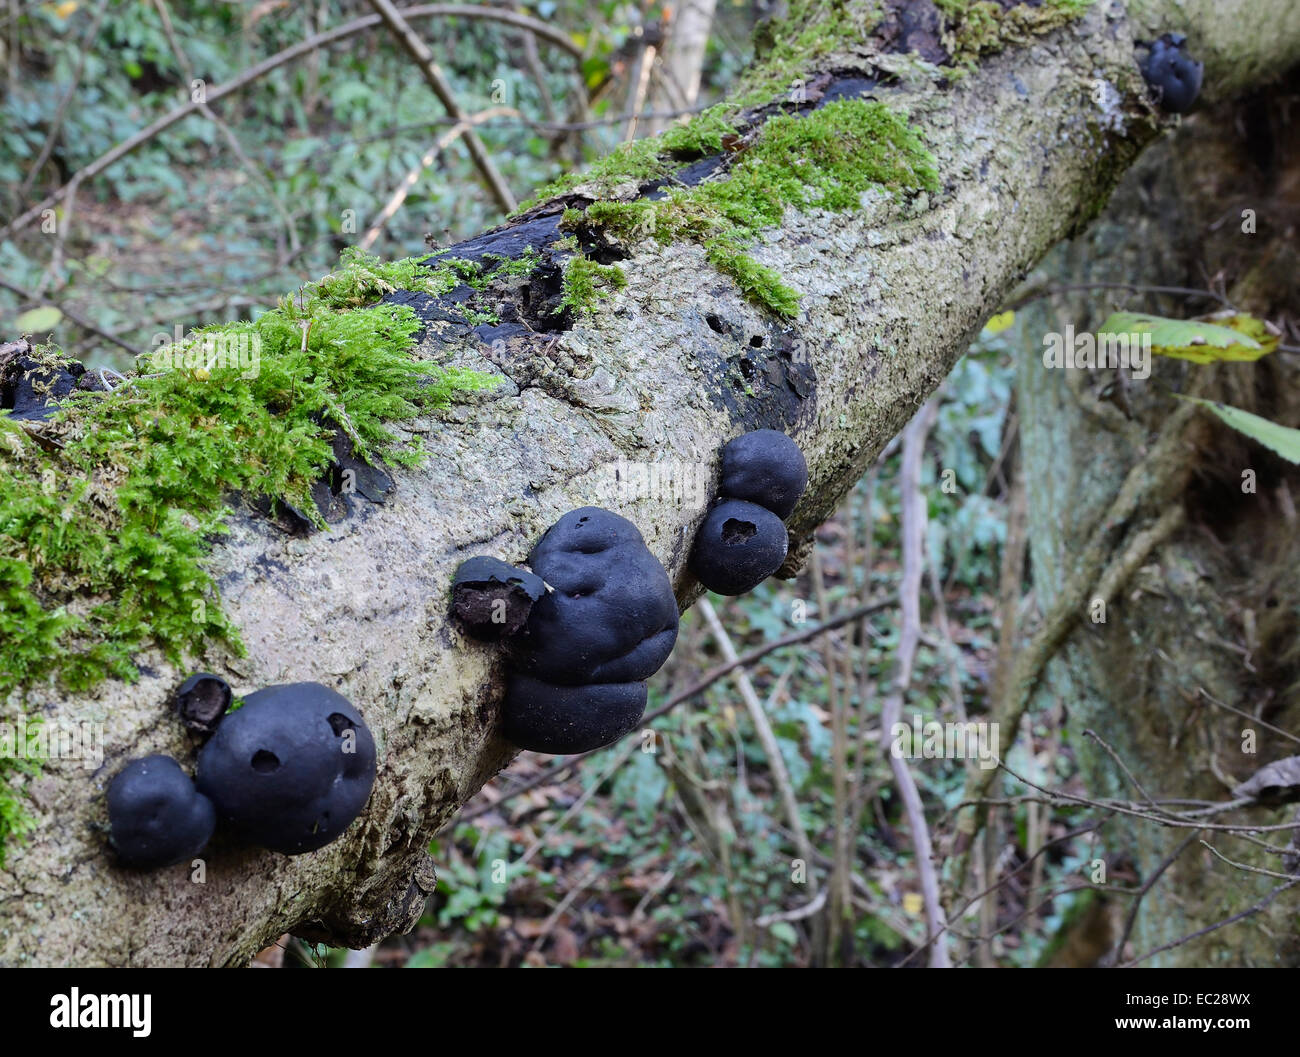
{"x": 667, "y": 480}
{"x": 35, "y": 739}
{"x": 239, "y": 351}
{"x": 946, "y": 741}
{"x": 1092, "y": 352}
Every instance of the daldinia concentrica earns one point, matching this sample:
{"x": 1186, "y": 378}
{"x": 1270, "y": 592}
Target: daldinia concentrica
{"x": 291, "y": 769}
{"x": 738, "y": 547}
{"x": 156, "y": 816}
{"x": 764, "y": 467}
{"x": 564, "y": 719}
{"x": 202, "y": 701}
{"x": 611, "y": 616}
{"x": 743, "y": 540}
{"x": 1174, "y": 76}
{"x": 605, "y": 621}
{"x": 492, "y": 598}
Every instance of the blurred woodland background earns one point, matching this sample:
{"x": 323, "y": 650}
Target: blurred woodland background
{"x": 681, "y": 856}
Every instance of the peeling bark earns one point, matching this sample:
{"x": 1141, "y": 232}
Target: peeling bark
{"x": 1027, "y": 150}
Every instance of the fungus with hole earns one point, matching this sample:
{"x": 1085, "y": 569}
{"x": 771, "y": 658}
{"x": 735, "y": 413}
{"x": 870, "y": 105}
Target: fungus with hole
{"x": 743, "y": 540}
{"x": 738, "y": 547}
{"x": 291, "y": 769}
{"x": 156, "y": 816}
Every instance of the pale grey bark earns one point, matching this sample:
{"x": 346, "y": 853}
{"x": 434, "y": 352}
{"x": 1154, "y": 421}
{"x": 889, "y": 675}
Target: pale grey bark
{"x": 1026, "y": 149}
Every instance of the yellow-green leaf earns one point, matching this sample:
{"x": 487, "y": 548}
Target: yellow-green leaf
{"x": 38, "y": 320}
{"x": 1236, "y": 337}
{"x": 997, "y": 324}
{"x": 1281, "y": 439}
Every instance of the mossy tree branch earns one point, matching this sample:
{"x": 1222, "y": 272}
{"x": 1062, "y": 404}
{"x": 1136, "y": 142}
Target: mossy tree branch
{"x": 890, "y": 279}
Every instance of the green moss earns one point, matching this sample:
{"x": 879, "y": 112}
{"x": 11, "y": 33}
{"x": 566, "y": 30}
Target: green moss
{"x": 584, "y": 281}
{"x": 107, "y": 517}
{"x": 635, "y": 162}
{"x": 973, "y": 28}
{"x": 759, "y": 283}
{"x": 788, "y": 49}
{"x": 825, "y": 160}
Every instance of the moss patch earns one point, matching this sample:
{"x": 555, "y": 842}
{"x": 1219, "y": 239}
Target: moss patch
{"x": 973, "y": 28}
{"x": 107, "y": 513}
{"x": 788, "y": 49}
{"x": 825, "y": 160}
{"x": 584, "y": 281}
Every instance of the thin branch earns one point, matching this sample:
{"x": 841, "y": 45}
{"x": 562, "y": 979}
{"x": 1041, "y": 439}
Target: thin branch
{"x": 1261, "y": 905}
{"x": 419, "y": 51}
{"x": 776, "y": 763}
{"x": 411, "y": 178}
{"x": 913, "y": 538}
{"x": 1131, "y": 919}
{"x": 80, "y": 321}
{"x": 348, "y": 29}
{"x": 555, "y": 771}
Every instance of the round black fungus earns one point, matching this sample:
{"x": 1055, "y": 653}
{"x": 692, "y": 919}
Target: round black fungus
{"x": 291, "y": 768}
{"x": 764, "y": 467}
{"x": 1172, "y": 73}
{"x": 566, "y": 719}
{"x": 202, "y": 700}
{"x": 156, "y": 816}
{"x": 611, "y": 616}
{"x": 492, "y": 599}
{"x": 738, "y": 547}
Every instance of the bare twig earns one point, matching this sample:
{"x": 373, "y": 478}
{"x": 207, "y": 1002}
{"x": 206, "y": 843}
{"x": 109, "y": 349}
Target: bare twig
{"x": 1248, "y": 912}
{"x": 541, "y": 29}
{"x": 1131, "y": 919}
{"x": 411, "y": 178}
{"x": 419, "y": 51}
{"x": 79, "y": 320}
{"x": 776, "y": 763}
{"x": 913, "y": 540}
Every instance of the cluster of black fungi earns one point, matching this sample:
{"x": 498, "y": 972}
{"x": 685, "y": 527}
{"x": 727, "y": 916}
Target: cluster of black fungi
{"x": 594, "y": 614}
{"x": 289, "y": 770}
{"x": 583, "y": 627}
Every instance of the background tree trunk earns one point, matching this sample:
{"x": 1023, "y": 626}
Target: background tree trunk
{"x": 665, "y": 370}
{"x": 1212, "y": 615}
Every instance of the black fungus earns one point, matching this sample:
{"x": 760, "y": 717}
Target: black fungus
{"x": 596, "y": 617}
{"x": 492, "y": 598}
{"x": 764, "y": 467}
{"x": 738, "y": 547}
{"x": 291, "y": 769}
{"x": 611, "y": 616}
{"x": 156, "y": 816}
{"x": 202, "y": 700}
{"x": 1172, "y": 73}
{"x": 565, "y": 719}
{"x": 33, "y": 389}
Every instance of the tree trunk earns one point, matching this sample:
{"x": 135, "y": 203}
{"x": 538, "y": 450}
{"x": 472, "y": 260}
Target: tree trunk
{"x": 1209, "y": 623}
{"x": 1028, "y": 145}
{"x": 678, "y": 83}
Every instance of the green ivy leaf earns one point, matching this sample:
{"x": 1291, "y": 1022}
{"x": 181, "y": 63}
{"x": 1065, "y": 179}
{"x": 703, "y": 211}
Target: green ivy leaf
{"x": 39, "y": 320}
{"x": 1281, "y": 439}
{"x": 1232, "y": 337}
